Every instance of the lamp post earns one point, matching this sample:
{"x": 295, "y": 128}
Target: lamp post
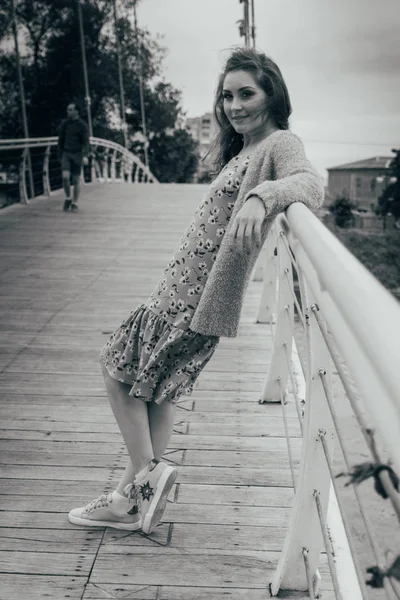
{"x": 245, "y": 30}
{"x": 84, "y": 65}
{"x": 121, "y": 81}
{"x": 253, "y": 24}
{"x": 22, "y": 94}
{"x": 141, "y": 89}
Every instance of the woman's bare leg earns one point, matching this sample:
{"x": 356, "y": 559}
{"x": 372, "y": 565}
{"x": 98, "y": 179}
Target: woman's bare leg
{"x": 161, "y": 422}
{"x": 132, "y": 417}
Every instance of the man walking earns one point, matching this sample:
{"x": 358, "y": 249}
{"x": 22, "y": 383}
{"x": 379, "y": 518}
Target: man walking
{"x": 73, "y": 146}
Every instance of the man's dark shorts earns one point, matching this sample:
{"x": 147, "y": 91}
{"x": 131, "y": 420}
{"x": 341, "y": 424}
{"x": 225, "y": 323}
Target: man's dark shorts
{"x": 72, "y": 162}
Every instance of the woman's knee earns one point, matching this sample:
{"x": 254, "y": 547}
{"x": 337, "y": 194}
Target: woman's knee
{"x": 117, "y": 390}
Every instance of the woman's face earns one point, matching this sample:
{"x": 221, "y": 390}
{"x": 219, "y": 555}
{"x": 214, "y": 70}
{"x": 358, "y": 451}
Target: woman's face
{"x": 244, "y": 102}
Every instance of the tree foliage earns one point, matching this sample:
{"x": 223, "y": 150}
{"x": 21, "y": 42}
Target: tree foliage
{"x": 53, "y": 77}
{"x": 341, "y": 209}
{"x": 389, "y": 200}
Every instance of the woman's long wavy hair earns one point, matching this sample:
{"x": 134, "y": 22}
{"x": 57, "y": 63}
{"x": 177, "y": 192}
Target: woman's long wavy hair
{"x": 228, "y": 142}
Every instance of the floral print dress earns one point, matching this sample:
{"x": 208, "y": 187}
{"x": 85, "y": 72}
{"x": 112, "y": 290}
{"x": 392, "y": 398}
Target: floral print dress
{"x": 153, "y": 350}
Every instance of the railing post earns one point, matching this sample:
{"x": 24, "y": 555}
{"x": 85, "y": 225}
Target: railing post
{"x": 113, "y": 165}
{"x": 304, "y": 530}
{"x": 23, "y": 194}
{"x": 267, "y": 308}
{"x": 92, "y": 163}
{"x": 130, "y": 171}
{"x": 46, "y": 179}
{"x": 261, "y": 264}
{"x": 278, "y": 373}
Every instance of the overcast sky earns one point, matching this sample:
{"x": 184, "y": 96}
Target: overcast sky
{"x": 340, "y": 60}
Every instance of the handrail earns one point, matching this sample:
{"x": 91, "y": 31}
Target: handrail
{"x": 132, "y": 167}
{"x": 349, "y": 318}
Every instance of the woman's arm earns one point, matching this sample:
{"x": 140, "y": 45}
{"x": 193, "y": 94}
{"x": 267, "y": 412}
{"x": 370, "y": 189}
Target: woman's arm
{"x": 296, "y": 180}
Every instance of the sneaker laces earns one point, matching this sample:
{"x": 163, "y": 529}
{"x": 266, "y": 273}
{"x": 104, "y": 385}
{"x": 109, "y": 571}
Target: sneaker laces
{"x": 102, "y": 501}
{"x": 132, "y": 491}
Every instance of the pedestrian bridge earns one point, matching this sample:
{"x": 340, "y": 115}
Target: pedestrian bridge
{"x": 256, "y": 507}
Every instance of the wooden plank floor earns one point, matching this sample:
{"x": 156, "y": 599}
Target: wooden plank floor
{"x": 67, "y": 280}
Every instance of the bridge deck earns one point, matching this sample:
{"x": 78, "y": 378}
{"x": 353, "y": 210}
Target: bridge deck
{"x": 66, "y": 282}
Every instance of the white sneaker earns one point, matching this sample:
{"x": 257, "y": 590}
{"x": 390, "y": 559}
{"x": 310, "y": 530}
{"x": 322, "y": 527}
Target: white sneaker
{"x": 101, "y": 513}
{"x": 151, "y": 490}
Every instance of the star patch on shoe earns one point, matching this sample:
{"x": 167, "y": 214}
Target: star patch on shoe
{"x": 146, "y": 491}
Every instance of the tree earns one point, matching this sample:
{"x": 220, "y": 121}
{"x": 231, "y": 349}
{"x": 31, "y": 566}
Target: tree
{"x": 389, "y": 200}
{"x": 341, "y": 208}
{"x": 174, "y": 156}
{"x": 52, "y": 71}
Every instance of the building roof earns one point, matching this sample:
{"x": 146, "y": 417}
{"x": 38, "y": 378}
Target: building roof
{"x": 377, "y": 162}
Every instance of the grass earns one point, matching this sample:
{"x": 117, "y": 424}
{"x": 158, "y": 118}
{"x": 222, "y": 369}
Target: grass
{"x": 379, "y": 252}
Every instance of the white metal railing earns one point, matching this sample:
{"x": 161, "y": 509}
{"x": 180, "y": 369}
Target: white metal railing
{"x": 345, "y": 317}
{"x": 108, "y": 159}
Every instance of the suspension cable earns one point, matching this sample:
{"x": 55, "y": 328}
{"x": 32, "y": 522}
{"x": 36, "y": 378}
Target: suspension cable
{"x": 366, "y": 431}
{"x": 304, "y": 552}
{"x": 285, "y": 423}
{"x": 328, "y": 545}
{"x": 376, "y": 550}
{"x": 321, "y": 435}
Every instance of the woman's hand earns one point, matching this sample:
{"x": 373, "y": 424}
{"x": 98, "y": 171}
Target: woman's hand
{"x": 246, "y": 227}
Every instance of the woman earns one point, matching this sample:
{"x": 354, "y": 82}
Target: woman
{"x": 159, "y": 350}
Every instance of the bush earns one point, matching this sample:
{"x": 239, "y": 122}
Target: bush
{"x": 341, "y": 209}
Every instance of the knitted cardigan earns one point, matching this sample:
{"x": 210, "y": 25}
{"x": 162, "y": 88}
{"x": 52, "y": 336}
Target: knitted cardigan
{"x": 278, "y": 173}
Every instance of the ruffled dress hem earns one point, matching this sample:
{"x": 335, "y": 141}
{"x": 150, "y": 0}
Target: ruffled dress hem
{"x": 159, "y": 360}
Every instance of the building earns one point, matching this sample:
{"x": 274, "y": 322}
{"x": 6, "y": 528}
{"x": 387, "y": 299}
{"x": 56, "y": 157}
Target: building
{"x": 203, "y": 130}
{"x": 361, "y": 182}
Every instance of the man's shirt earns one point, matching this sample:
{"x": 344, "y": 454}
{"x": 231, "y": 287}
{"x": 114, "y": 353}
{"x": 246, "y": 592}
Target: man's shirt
{"x": 73, "y": 137}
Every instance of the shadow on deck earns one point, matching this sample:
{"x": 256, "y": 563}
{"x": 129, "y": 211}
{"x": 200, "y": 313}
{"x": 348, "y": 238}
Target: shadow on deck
{"x": 67, "y": 280}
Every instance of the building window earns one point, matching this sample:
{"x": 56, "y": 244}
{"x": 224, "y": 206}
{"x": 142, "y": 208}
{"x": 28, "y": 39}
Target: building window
{"x": 358, "y": 182}
{"x": 373, "y": 184}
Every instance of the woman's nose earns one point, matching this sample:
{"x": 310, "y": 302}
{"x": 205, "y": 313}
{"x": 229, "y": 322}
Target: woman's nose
{"x": 236, "y": 104}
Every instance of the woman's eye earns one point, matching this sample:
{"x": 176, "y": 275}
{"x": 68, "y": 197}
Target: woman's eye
{"x": 226, "y": 96}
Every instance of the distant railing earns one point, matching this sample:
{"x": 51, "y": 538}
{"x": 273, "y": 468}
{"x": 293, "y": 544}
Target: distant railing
{"x": 30, "y": 167}
{"x": 312, "y": 283}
